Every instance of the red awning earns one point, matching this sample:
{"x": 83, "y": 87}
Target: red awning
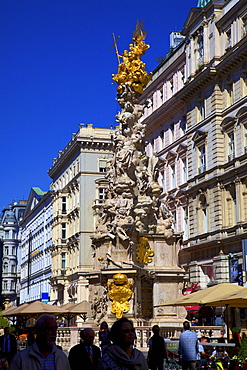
{"x": 192, "y": 308}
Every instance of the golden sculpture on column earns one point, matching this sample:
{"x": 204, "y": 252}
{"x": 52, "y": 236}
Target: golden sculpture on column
{"x": 132, "y": 70}
{"x": 120, "y": 292}
{"x": 144, "y": 253}
{"x": 133, "y": 231}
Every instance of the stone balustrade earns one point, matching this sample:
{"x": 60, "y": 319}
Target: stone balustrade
{"x": 67, "y": 337}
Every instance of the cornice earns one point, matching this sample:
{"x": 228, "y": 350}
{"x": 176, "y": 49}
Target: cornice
{"x": 79, "y": 145}
{"x": 162, "y": 114}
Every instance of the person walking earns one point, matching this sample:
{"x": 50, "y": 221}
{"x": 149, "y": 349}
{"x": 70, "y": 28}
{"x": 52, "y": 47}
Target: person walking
{"x": 188, "y": 347}
{"x": 157, "y": 350}
{"x": 85, "y": 355}
{"x": 103, "y": 335}
{"x": 121, "y": 355}
{"x": 8, "y": 345}
{"x": 43, "y": 353}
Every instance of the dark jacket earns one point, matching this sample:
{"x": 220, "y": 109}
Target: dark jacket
{"x": 79, "y": 358}
{"x": 13, "y": 343}
{"x": 13, "y": 347}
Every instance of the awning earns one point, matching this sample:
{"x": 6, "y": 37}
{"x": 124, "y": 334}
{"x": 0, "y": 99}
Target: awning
{"x": 192, "y": 309}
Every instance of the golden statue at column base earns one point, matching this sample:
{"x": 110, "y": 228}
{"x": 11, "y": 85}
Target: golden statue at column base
{"x": 120, "y": 292}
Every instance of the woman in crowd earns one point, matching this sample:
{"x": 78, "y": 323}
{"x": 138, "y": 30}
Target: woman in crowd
{"x": 104, "y": 335}
{"x": 121, "y": 355}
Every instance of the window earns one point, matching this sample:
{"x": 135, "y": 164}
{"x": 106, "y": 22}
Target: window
{"x": 6, "y": 251}
{"x": 63, "y": 230}
{"x": 186, "y": 222}
{"x": 13, "y": 251}
{"x": 228, "y": 40}
{"x": 63, "y": 260}
{"x": 231, "y": 146}
{"x": 203, "y": 214}
{"x": 183, "y": 124}
{"x": 162, "y": 139}
{"x": 5, "y": 267}
{"x": 184, "y": 169}
{"x": 200, "y": 49}
{"x": 102, "y": 165}
{"x": 172, "y": 132}
{"x": 231, "y": 205}
{"x": 174, "y": 215}
{"x": 12, "y": 285}
{"x": 172, "y": 86}
{"x": 244, "y": 26}
{"x": 173, "y": 177}
{"x": 228, "y": 129}
{"x": 161, "y": 95}
{"x": 6, "y": 234}
{"x": 245, "y": 138}
{"x": 183, "y": 77}
{"x": 64, "y": 209}
{"x": 102, "y": 193}
{"x": 229, "y": 92}
{"x": 202, "y": 159}
{"x": 201, "y": 110}
{"x": 244, "y": 82}
{"x": 163, "y": 184}
{"x": 5, "y": 285}
{"x": 13, "y": 269}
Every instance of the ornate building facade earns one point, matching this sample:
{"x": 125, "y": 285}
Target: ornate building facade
{"x": 196, "y": 125}
{"x": 78, "y": 187}
{"x": 35, "y": 247}
{"x": 10, "y": 257}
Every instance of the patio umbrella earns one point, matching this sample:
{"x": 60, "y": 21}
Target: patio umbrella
{"x": 202, "y": 297}
{"x": 234, "y": 300}
{"x": 35, "y": 308}
{"x": 11, "y": 310}
{"x": 66, "y": 306}
{"x": 67, "y": 315}
{"x": 209, "y": 297}
{"x": 81, "y": 309}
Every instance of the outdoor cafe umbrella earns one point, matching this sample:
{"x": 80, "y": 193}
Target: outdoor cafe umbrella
{"x": 209, "y": 297}
{"x": 35, "y": 308}
{"x": 81, "y": 309}
{"x": 202, "y": 297}
{"x": 71, "y": 310}
{"x": 234, "y": 300}
{"x": 11, "y": 310}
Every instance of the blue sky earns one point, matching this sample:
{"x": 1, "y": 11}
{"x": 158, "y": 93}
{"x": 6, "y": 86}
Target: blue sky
{"x": 56, "y": 64}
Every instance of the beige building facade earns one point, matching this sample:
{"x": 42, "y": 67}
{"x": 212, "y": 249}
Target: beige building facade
{"x": 75, "y": 192}
{"x": 196, "y": 124}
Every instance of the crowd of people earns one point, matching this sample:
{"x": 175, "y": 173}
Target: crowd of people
{"x": 117, "y": 349}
